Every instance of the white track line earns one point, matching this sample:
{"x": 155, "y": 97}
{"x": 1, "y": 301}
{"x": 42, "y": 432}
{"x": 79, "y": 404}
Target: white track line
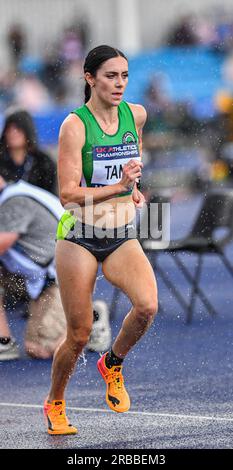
{"x": 141, "y": 413}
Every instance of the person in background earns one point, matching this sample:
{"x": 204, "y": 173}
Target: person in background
{"x": 183, "y": 32}
{"x": 20, "y": 156}
{"x": 30, "y": 92}
{"x": 29, "y": 218}
{"x": 17, "y": 42}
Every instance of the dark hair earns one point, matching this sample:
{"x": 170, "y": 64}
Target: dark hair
{"x": 24, "y": 122}
{"x": 95, "y": 58}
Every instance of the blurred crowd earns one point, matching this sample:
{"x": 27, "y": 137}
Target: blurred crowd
{"x": 38, "y": 83}
{"x": 178, "y": 126}
{"x": 54, "y": 79}
{"x": 214, "y": 32}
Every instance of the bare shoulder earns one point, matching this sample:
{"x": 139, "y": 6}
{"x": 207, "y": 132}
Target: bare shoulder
{"x": 72, "y": 126}
{"x": 139, "y": 114}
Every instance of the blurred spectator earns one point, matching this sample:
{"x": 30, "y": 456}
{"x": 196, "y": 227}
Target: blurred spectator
{"x": 71, "y": 47}
{"x": 29, "y": 217}
{"x": 20, "y": 156}
{"x": 157, "y": 94}
{"x": 74, "y": 84}
{"x": 16, "y": 39}
{"x": 224, "y": 31}
{"x": 205, "y": 31}
{"x": 227, "y": 72}
{"x": 183, "y": 33}
{"x": 30, "y": 93}
{"x": 53, "y": 76}
{"x": 158, "y": 103}
{"x": 82, "y": 27}
{"x": 7, "y": 82}
{"x": 63, "y": 64}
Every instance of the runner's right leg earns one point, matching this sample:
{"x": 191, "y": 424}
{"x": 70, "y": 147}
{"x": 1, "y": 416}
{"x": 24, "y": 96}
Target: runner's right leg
{"x": 76, "y": 272}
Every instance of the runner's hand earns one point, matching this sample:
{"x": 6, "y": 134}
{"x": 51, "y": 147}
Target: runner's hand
{"x": 131, "y": 171}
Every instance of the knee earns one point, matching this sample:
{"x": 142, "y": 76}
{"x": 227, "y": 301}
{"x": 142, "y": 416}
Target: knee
{"x": 146, "y": 309}
{"x": 78, "y": 337}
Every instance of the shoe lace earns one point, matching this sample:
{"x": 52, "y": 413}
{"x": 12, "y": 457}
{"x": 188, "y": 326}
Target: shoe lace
{"x": 58, "y": 413}
{"x": 116, "y": 378}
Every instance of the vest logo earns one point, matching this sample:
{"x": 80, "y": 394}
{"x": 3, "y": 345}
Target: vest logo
{"x": 128, "y": 138}
{"x": 129, "y": 150}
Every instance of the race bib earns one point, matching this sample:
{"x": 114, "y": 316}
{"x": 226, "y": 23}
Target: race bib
{"x": 108, "y": 162}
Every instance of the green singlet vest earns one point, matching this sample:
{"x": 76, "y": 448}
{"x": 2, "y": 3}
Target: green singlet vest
{"x": 104, "y": 155}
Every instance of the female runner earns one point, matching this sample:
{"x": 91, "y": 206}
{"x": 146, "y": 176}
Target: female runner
{"x": 99, "y": 166}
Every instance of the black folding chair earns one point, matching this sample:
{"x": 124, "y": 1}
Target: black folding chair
{"x": 143, "y": 223}
{"x": 216, "y": 213}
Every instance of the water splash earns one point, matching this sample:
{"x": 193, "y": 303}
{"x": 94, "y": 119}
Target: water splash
{"x": 83, "y": 357}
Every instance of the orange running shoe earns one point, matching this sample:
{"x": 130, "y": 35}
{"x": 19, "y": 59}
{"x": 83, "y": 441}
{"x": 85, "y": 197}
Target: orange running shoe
{"x": 56, "y": 420}
{"x": 117, "y": 397}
